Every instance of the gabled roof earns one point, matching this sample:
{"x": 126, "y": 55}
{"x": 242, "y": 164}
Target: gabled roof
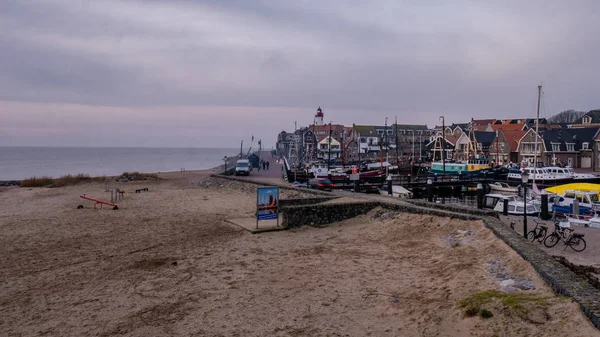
{"x": 450, "y": 142}
{"x": 365, "y": 130}
{"x": 595, "y": 114}
{"x": 507, "y": 126}
{"x": 569, "y": 136}
{"x": 513, "y": 137}
{"x": 411, "y": 127}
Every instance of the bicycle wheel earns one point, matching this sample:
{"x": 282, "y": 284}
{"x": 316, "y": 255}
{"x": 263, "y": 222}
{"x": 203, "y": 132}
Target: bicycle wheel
{"x": 542, "y": 235}
{"x": 531, "y": 236}
{"x": 551, "y": 240}
{"x": 578, "y": 245}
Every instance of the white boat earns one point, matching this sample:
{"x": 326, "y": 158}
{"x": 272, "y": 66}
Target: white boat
{"x": 575, "y": 220}
{"x": 503, "y": 187}
{"x": 594, "y": 221}
{"x": 397, "y": 191}
{"x": 515, "y": 207}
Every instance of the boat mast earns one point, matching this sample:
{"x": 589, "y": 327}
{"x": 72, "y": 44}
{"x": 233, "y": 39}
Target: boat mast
{"x": 537, "y": 125}
{"x": 497, "y": 152}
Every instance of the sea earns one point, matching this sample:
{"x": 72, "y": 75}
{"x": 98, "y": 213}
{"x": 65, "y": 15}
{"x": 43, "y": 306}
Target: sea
{"x": 17, "y": 163}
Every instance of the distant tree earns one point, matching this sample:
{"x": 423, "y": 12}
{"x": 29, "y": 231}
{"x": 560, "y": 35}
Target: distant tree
{"x": 567, "y": 116}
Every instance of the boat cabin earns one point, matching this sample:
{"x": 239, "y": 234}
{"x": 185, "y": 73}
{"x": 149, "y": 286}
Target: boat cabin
{"x": 491, "y": 200}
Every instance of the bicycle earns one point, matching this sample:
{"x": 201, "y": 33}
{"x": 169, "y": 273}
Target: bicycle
{"x": 538, "y": 233}
{"x": 566, "y": 235}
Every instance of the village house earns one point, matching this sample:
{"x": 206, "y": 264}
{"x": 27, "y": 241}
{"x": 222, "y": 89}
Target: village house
{"x": 435, "y": 147}
{"x": 476, "y": 144}
{"x": 570, "y": 147}
{"x": 528, "y": 154}
{"x": 590, "y": 119}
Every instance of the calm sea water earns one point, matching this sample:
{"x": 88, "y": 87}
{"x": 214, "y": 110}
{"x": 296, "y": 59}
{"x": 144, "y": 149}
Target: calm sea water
{"x": 23, "y": 162}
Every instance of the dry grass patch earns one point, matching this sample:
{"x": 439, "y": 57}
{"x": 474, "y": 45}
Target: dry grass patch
{"x": 65, "y": 180}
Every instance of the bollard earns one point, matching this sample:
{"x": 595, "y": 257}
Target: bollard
{"x": 545, "y": 215}
{"x": 505, "y": 207}
{"x": 480, "y": 196}
{"x": 429, "y": 190}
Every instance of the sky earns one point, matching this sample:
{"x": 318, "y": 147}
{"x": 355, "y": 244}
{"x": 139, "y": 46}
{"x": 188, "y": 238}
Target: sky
{"x": 189, "y": 73}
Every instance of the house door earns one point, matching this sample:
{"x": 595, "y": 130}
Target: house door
{"x": 570, "y": 161}
{"x": 586, "y": 162}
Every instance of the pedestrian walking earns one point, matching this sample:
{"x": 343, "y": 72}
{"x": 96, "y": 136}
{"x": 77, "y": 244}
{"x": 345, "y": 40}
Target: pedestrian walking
{"x": 259, "y": 163}
{"x": 267, "y": 165}
{"x": 263, "y": 165}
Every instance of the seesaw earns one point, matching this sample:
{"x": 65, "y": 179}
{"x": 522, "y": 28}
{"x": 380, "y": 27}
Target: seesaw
{"x": 96, "y": 202}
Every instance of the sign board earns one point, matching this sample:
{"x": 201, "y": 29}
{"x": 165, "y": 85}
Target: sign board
{"x": 267, "y": 204}
{"x": 355, "y": 177}
{"x": 354, "y": 169}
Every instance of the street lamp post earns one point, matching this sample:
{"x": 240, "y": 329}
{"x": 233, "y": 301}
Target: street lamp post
{"x": 443, "y": 144}
{"x": 524, "y": 179}
{"x": 225, "y": 160}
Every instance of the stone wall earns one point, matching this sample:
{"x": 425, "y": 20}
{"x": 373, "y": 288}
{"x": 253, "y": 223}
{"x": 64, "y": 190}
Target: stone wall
{"x": 262, "y": 183}
{"x": 559, "y": 277}
{"x": 410, "y": 208}
{"x": 454, "y": 208}
{"x": 303, "y": 201}
{"x": 319, "y": 214}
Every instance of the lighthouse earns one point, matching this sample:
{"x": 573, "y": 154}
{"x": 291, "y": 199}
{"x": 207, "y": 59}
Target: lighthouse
{"x": 319, "y": 117}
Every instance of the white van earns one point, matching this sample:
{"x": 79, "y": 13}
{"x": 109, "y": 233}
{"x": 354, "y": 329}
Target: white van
{"x": 243, "y": 167}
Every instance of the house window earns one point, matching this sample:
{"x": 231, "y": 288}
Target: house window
{"x": 363, "y": 140}
{"x": 585, "y": 146}
{"x": 571, "y": 147}
{"x": 587, "y": 120}
{"x": 555, "y": 147}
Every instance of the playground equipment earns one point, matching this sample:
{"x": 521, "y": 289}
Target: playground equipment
{"x": 96, "y": 202}
{"x": 116, "y": 194}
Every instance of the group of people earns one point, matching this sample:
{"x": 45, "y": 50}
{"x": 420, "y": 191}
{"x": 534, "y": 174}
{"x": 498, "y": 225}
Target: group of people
{"x": 263, "y": 164}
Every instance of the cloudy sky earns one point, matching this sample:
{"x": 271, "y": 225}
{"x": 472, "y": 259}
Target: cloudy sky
{"x": 210, "y": 73}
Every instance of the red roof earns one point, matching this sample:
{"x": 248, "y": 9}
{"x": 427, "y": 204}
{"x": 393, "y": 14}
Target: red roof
{"x": 513, "y": 137}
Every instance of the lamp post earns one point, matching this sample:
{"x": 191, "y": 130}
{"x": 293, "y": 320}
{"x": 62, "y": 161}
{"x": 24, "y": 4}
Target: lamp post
{"x": 443, "y": 144}
{"x": 524, "y": 179}
{"x": 225, "y": 160}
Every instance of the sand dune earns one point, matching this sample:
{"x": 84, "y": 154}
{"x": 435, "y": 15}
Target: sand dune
{"x": 167, "y": 264}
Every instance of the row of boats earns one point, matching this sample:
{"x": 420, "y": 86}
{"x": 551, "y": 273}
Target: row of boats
{"x": 578, "y": 203}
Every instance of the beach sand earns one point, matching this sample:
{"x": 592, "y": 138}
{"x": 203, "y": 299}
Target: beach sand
{"x": 168, "y": 264}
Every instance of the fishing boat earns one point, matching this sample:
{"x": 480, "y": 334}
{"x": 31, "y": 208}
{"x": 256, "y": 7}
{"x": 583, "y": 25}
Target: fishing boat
{"x": 503, "y": 187}
{"x": 472, "y": 167}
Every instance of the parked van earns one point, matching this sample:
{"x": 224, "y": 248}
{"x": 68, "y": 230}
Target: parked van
{"x": 243, "y": 167}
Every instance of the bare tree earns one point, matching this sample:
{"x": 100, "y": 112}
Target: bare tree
{"x": 567, "y": 116}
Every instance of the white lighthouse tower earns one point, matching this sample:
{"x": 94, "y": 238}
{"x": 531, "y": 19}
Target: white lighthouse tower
{"x": 319, "y": 117}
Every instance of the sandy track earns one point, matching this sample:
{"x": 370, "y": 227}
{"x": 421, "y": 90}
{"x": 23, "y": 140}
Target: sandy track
{"x": 166, "y": 264}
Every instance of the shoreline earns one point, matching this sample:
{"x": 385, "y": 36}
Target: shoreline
{"x": 17, "y": 182}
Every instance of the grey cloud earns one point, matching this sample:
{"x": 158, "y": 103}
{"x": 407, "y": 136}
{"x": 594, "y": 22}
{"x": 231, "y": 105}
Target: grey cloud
{"x": 361, "y": 60}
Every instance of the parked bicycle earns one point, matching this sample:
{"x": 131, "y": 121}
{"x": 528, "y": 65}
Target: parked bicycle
{"x": 538, "y": 233}
{"x": 566, "y": 235}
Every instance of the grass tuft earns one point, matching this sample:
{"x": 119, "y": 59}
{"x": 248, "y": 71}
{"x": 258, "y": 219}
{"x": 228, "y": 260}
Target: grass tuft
{"x": 65, "y": 180}
{"x": 516, "y": 303}
{"x": 484, "y": 313}
{"x": 137, "y": 176}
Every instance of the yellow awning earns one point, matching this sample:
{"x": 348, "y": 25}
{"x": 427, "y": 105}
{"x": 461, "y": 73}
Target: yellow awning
{"x": 584, "y": 187}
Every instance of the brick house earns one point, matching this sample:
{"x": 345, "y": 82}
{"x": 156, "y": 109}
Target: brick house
{"x": 570, "y": 147}
{"x": 526, "y": 148}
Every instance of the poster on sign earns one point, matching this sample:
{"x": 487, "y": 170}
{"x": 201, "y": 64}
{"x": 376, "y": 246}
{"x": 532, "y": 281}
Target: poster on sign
{"x": 267, "y": 202}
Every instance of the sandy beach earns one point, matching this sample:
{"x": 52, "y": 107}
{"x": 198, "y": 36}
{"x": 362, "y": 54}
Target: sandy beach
{"x": 168, "y": 264}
